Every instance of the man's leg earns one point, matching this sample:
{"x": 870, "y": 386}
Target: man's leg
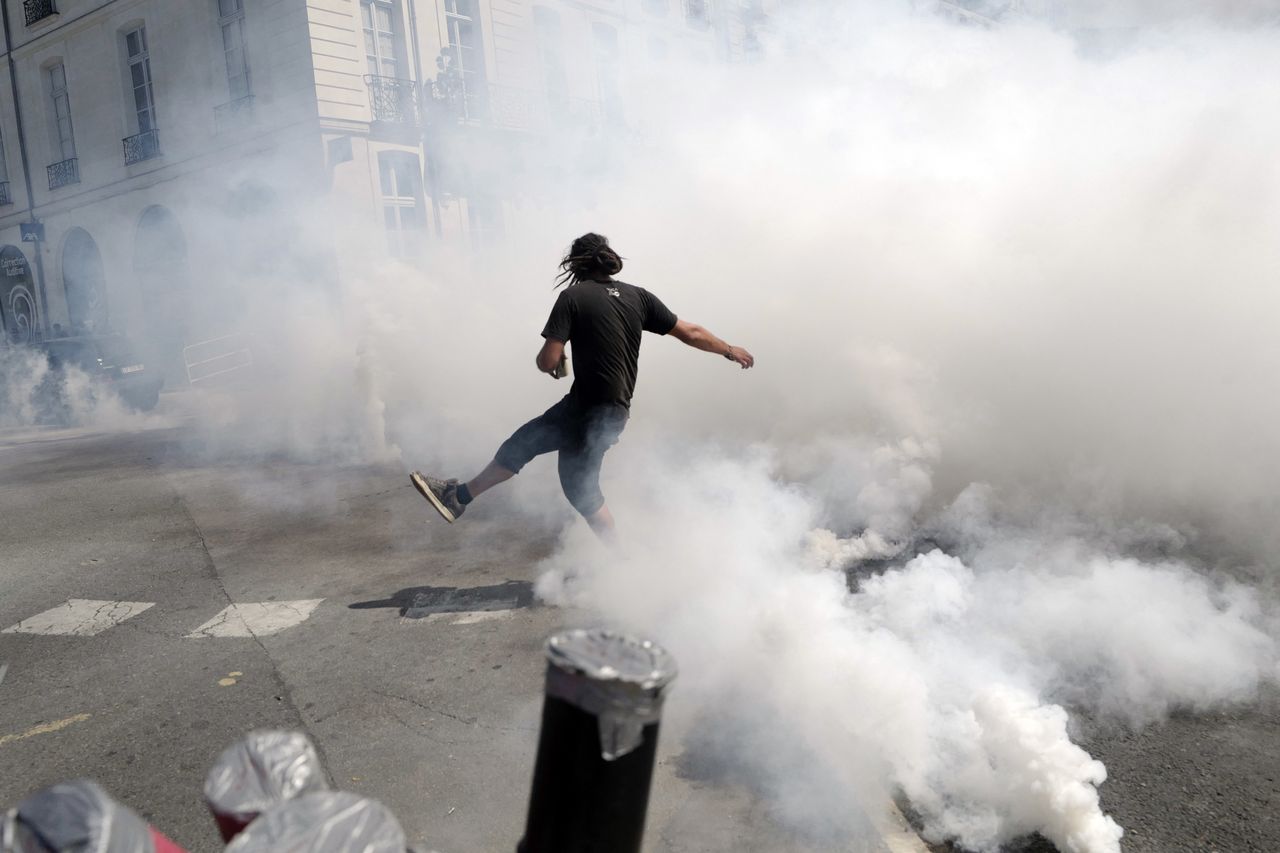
{"x": 493, "y": 474}
{"x": 601, "y": 523}
{"x": 541, "y": 435}
{"x": 579, "y": 466}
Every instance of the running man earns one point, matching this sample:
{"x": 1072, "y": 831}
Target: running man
{"x": 604, "y": 318}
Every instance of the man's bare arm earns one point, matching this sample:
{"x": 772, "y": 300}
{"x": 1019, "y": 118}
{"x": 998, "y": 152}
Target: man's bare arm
{"x": 699, "y": 338}
{"x": 550, "y": 355}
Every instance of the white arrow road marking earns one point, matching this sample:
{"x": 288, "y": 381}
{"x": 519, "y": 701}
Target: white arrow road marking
{"x": 80, "y": 617}
{"x": 260, "y": 619}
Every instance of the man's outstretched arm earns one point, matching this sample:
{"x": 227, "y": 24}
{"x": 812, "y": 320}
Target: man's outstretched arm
{"x": 699, "y": 338}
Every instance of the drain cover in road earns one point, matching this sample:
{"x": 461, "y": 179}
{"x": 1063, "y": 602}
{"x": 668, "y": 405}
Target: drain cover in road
{"x": 430, "y": 600}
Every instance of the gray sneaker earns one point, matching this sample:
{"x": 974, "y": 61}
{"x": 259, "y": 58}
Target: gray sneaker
{"x": 443, "y": 495}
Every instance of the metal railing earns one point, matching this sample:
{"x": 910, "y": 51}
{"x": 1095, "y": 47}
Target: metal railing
{"x": 515, "y": 108}
{"x": 5, "y": 198}
{"x": 393, "y": 99}
{"x": 216, "y": 357}
{"x": 510, "y": 107}
{"x": 64, "y": 173}
{"x": 38, "y": 10}
{"x": 234, "y": 108}
{"x": 141, "y": 146}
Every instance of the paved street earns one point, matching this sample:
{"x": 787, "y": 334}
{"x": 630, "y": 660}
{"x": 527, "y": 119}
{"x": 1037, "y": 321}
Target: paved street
{"x": 155, "y": 607}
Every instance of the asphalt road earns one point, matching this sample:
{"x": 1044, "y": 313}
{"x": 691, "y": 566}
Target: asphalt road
{"x": 435, "y": 717}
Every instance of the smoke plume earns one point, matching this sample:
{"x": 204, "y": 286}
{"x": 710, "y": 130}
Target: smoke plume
{"x": 1006, "y": 456}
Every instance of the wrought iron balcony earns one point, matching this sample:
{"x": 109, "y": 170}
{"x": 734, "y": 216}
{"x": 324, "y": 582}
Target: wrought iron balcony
{"x": 508, "y": 107}
{"x": 141, "y": 147}
{"x": 5, "y": 198}
{"x": 453, "y": 97}
{"x": 238, "y": 107}
{"x": 393, "y": 99}
{"x": 64, "y": 173}
{"x": 518, "y": 109}
{"x": 38, "y": 10}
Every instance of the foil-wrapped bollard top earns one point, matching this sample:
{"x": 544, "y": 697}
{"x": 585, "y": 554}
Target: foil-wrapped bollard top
{"x": 327, "y": 822}
{"x": 620, "y": 679}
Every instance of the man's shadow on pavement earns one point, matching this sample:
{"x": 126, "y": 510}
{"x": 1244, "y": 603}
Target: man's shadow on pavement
{"x": 417, "y": 602}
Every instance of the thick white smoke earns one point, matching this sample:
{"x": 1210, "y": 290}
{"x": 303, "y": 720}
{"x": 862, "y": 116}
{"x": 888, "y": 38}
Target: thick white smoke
{"x": 944, "y": 678}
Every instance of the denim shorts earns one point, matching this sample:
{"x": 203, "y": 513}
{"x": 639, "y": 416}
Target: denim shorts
{"x": 581, "y": 433}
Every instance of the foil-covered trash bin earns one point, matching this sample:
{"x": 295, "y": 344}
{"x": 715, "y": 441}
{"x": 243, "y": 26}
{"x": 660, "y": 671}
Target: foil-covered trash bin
{"x": 328, "y": 822}
{"x": 262, "y": 770}
{"x": 600, "y": 720}
{"x": 77, "y": 817}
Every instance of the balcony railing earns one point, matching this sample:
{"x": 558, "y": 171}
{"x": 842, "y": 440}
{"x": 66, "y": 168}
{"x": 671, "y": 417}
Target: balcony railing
{"x": 5, "y": 198}
{"x": 142, "y": 146}
{"x": 509, "y": 107}
{"x": 393, "y": 100}
{"x": 38, "y": 10}
{"x": 237, "y": 107}
{"x": 64, "y": 173}
{"x": 464, "y": 100}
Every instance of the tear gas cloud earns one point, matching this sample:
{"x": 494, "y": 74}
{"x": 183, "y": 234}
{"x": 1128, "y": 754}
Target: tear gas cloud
{"x": 1006, "y": 295}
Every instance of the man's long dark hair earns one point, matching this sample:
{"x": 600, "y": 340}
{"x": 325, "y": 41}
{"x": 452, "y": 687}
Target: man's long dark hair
{"x": 589, "y": 257}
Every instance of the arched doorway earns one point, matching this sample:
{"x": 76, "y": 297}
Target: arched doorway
{"x": 83, "y": 281}
{"x": 160, "y": 262}
{"x": 17, "y": 303}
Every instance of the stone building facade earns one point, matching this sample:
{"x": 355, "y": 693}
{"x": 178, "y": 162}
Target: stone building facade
{"x": 126, "y": 125}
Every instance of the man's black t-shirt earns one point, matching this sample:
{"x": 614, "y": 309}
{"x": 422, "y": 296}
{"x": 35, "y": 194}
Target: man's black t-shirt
{"x": 604, "y": 320}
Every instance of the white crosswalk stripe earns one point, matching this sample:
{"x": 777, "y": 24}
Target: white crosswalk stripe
{"x": 260, "y": 619}
{"x": 80, "y": 617}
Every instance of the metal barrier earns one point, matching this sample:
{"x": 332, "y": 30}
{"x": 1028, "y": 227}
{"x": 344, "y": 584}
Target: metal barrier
{"x": 216, "y": 357}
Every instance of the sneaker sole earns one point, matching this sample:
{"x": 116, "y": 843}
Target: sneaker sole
{"x": 424, "y": 490}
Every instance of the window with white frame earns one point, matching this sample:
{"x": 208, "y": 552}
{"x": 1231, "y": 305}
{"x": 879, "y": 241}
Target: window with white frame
{"x": 546, "y": 25}
{"x": 466, "y": 50}
{"x": 231, "y": 22}
{"x": 144, "y": 100}
{"x": 65, "y": 133}
{"x": 379, "y": 20}
{"x": 401, "y": 183}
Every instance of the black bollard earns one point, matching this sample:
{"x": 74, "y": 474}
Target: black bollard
{"x": 600, "y": 720}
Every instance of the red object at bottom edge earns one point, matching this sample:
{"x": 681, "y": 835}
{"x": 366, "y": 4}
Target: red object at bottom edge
{"x": 162, "y": 843}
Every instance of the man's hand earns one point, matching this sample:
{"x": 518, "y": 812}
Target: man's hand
{"x": 550, "y": 357}
{"x": 561, "y": 370}
{"x": 741, "y": 356}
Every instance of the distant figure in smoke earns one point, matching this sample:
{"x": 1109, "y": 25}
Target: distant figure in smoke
{"x": 604, "y": 319}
